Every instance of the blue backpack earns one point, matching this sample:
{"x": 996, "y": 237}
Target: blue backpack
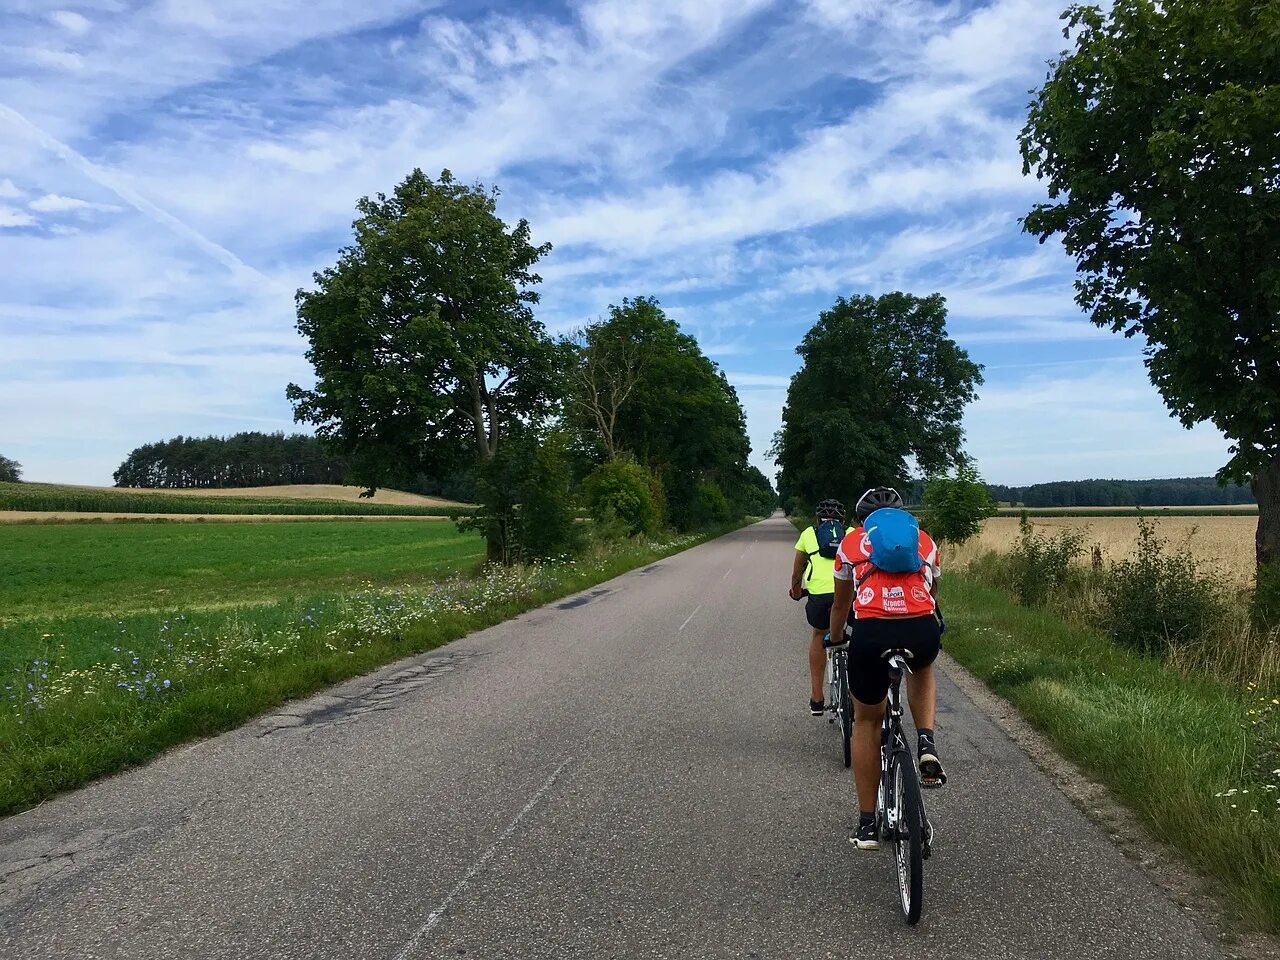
{"x": 829, "y": 533}
{"x": 895, "y": 540}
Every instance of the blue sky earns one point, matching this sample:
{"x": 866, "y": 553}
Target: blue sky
{"x": 171, "y": 171}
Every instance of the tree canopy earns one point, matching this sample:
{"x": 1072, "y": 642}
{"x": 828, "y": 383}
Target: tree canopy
{"x": 644, "y": 388}
{"x": 10, "y": 470}
{"x": 422, "y": 335}
{"x": 1158, "y": 136}
{"x": 881, "y": 393}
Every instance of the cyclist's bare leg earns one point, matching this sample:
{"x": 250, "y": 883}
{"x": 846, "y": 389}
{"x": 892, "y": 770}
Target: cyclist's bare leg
{"x": 866, "y": 752}
{"x": 817, "y": 666}
{"x": 922, "y": 695}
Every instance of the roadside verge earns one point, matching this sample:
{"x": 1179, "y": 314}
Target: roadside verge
{"x": 1193, "y": 760}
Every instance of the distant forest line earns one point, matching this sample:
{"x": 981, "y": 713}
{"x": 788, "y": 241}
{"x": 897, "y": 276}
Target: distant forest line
{"x": 1176, "y": 492}
{"x": 249, "y": 459}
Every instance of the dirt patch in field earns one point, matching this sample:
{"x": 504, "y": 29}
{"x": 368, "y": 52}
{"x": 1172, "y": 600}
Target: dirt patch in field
{"x": 64, "y": 516}
{"x": 1224, "y": 544}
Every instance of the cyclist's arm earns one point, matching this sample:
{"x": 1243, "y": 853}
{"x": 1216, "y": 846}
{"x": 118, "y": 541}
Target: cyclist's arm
{"x": 797, "y": 572}
{"x": 840, "y": 605}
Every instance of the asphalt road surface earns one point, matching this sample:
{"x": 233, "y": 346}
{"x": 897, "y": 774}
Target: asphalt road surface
{"x": 631, "y": 772}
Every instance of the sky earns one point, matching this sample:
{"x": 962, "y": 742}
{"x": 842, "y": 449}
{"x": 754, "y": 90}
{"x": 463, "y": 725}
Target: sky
{"x": 172, "y": 171}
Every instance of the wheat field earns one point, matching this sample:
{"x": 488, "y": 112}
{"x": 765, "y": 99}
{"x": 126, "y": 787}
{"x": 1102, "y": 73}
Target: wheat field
{"x": 1222, "y": 543}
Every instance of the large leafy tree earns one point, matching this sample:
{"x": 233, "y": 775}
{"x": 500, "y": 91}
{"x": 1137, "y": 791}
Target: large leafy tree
{"x": 881, "y": 392}
{"x": 423, "y": 339}
{"x": 645, "y": 389}
{"x": 1158, "y": 136}
{"x": 10, "y": 470}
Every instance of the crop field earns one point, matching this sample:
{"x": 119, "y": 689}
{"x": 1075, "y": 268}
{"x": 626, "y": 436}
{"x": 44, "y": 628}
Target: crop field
{"x": 1244, "y": 509}
{"x": 49, "y": 498}
{"x": 1223, "y": 543}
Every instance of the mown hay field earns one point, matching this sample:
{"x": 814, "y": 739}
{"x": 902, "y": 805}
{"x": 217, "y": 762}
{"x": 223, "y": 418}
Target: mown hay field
{"x": 317, "y": 500}
{"x": 310, "y": 491}
{"x": 1222, "y": 543}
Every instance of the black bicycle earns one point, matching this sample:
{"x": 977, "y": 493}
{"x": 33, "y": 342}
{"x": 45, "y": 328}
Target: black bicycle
{"x": 900, "y": 811}
{"x": 839, "y": 698}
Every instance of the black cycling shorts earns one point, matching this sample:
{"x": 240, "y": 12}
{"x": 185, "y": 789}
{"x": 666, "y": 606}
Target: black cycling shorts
{"x": 869, "y": 670}
{"x": 817, "y": 610}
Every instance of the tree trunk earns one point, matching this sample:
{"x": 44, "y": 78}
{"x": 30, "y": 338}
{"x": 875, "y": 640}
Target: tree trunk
{"x": 1266, "y": 490}
{"x": 1266, "y": 591}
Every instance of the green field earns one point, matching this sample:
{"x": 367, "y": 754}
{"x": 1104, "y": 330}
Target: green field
{"x": 57, "y": 570}
{"x": 48, "y": 497}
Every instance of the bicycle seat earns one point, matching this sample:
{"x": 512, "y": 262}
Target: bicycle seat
{"x": 837, "y": 646}
{"x": 898, "y": 659}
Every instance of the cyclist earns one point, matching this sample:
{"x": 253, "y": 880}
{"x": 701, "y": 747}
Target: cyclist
{"x": 891, "y": 611}
{"x": 811, "y": 571}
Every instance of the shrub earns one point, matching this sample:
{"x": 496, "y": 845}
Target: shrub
{"x": 621, "y": 493}
{"x": 1040, "y": 566}
{"x": 526, "y": 512}
{"x": 1158, "y": 599}
{"x": 547, "y": 527}
{"x": 710, "y": 505}
{"x": 956, "y": 506}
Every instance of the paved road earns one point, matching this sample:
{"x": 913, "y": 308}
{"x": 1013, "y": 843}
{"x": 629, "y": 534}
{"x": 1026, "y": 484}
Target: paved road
{"x": 629, "y": 773}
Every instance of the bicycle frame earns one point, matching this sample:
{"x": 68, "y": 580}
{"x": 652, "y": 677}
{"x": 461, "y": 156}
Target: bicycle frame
{"x": 893, "y": 739}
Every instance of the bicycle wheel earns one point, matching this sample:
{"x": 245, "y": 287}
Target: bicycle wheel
{"x": 908, "y": 840}
{"x": 846, "y": 714}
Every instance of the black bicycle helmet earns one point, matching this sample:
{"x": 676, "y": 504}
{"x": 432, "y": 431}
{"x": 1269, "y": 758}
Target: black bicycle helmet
{"x": 874, "y": 499}
{"x": 831, "y": 510}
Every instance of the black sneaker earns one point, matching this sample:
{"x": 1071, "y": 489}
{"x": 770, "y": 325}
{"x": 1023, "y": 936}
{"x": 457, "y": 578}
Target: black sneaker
{"x": 867, "y": 837}
{"x": 932, "y": 776}
{"x": 817, "y": 708}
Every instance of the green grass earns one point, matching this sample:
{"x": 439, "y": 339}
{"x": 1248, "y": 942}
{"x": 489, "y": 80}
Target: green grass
{"x": 91, "y": 693}
{"x": 47, "y": 497}
{"x": 1166, "y": 745}
{"x": 69, "y": 569}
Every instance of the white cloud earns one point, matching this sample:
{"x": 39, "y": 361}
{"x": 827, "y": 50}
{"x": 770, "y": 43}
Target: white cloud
{"x": 8, "y": 191}
{"x": 71, "y": 21}
{"x": 54, "y": 203}
{"x": 56, "y": 59}
{"x": 14, "y": 218}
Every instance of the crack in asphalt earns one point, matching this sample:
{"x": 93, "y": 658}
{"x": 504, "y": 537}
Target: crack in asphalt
{"x": 331, "y": 709}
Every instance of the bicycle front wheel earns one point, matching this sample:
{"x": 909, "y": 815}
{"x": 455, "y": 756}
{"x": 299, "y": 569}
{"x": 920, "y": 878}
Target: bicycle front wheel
{"x": 908, "y": 835}
{"x": 846, "y": 715}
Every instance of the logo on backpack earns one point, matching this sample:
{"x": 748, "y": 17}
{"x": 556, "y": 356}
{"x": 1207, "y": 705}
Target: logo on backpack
{"x": 829, "y": 534}
{"x": 894, "y": 536}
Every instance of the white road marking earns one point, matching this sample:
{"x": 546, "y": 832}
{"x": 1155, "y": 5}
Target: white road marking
{"x": 690, "y": 617}
{"x": 436, "y": 915}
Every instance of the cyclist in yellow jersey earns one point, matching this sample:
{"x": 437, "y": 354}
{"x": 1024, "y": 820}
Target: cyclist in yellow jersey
{"x": 812, "y": 574}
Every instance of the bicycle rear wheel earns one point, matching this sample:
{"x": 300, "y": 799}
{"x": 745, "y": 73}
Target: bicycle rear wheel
{"x": 846, "y": 713}
{"x": 908, "y": 835}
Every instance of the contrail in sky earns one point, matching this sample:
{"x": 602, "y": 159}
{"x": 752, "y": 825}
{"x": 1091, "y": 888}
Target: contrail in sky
{"x": 104, "y": 178}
